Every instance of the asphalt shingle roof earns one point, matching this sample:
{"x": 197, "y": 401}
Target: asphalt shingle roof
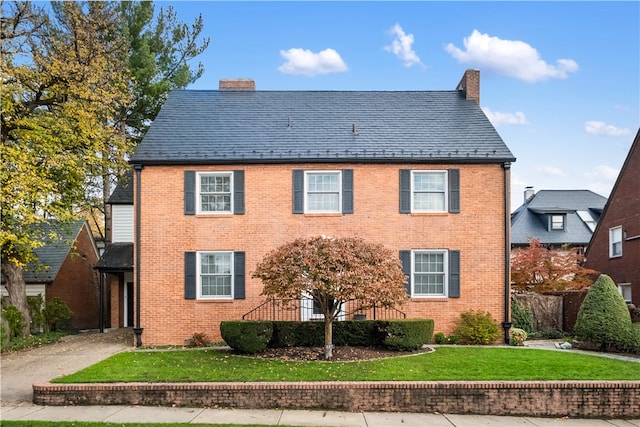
{"x": 235, "y": 127}
{"x": 530, "y": 219}
{"x": 123, "y": 193}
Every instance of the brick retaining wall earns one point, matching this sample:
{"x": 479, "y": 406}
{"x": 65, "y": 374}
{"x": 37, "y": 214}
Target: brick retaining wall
{"x": 584, "y": 399}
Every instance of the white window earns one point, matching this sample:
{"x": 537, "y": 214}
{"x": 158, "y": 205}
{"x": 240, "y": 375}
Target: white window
{"x": 215, "y": 192}
{"x": 323, "y": 191}
{"x": 429, "y": 270}
{"x": 429, "y": 191}
{"x": 557, "y": 222}
{"x": 625, "y": 291}
{"x": 615, "y": 242}
{"x": 215, "y": 278}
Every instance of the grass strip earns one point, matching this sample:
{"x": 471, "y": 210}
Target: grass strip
{"x": 445, "y": 364}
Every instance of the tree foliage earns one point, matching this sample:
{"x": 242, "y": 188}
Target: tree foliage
{"x": 332, "y": 271}
{"x": 539, "y": 269}
{"x": 80, "y": 80}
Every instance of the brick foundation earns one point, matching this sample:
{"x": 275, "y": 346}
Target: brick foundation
{"x": 583, "y": 399}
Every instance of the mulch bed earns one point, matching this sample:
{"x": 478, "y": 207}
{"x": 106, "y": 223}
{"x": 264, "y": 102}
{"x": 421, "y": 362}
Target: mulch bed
{"x": 340, "y": 354}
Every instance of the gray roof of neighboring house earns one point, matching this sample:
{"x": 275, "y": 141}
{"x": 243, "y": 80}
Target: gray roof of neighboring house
{"x": 116, "y": 257}
{"x": 123, "y": 193}
{"x": 531, "y": 219}
{"x": 51, "y": 256}
{"x": 236, "y": 127}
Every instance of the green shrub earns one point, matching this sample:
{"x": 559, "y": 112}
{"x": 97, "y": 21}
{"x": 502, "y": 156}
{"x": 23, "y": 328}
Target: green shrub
{"x": 360, "y": 333}
{"x": 406, "y": 335}
{"x": 57, "y": 315}
{"x": 247, "y": 336}
{"x": 297, "y": 334}
{"x": 36, "y": 310}
{"x": 477, "y": 327}
{"x": 630, "y": 340}
{"x": 453, "y": 339}
{"x": 199, "y": 339}
{"x": 5, "y": 331}
{"x": 440, "y": 338}
{"x": 517, "y": 336}
{"x": 603, "y": 318}
{"x": 521, "y": 316}
{"x": 14, "y": 319}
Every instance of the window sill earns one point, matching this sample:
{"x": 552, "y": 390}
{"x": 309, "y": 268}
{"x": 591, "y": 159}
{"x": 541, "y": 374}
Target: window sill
{"x": 314, "y": 214}
{"x": 434, "y": 298}
{"x": 222, "y": 300}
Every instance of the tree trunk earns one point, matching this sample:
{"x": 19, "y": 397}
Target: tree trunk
{"x": 328, "y": 338}
{"x": 17, "y": 290}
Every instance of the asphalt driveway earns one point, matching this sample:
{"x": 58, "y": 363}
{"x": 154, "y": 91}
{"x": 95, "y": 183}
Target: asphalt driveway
{"x": 21, "y": 369}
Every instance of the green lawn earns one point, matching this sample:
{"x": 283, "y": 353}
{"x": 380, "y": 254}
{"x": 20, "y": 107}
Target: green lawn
{"x": 445, "y": 364}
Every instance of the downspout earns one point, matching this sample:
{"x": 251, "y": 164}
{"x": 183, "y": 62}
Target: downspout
{"x": 506, "y": 324}
{"x": 138, "y": 330}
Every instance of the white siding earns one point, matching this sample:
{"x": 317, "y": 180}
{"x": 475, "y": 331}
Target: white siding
{"x": 122, "y": 223}
{"x": 32, "y": 290}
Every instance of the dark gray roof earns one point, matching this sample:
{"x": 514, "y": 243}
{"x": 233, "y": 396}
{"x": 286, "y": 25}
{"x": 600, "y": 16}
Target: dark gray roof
{"x": 123, "y": 194}
{"x": 116, "y": 257}
{"x": 235, "y": 127}
{"x": 51, "y": 256}
{"x": 530, "y": 220}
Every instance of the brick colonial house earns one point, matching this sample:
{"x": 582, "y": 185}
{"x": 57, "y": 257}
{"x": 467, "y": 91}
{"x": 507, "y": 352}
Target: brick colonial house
{"x": 615, "y": 246}
{"x": 224, "y": 176}
{"x": 65, "y": 269}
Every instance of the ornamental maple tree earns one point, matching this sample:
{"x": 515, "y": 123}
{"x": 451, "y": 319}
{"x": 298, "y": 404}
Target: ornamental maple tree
{"x": 539, "y": 269}
{"x": 333, "y": 271}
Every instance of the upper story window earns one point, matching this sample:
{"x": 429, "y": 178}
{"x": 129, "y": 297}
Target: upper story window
{"x": 429, "y": 191}
{"x": 615, "y": 242}
{"x": 323, "y": 192}
{"x": 557, "y": 222}
{"x": 214, "y": 192}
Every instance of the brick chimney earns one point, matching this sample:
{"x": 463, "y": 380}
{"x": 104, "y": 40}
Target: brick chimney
{"x": 237, "y": 84}
{"x": 470, "y": 85}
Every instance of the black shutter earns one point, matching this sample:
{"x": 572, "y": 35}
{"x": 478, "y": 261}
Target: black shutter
{"x": 189, "y": 275}
{"x": 454, "y": 190}
{"x": 405, "y": 258}
{"x": 238, "y": 192}
{"x": 238, "y": 275}
{"x": 405, "y": 191}
{"x": 298, "y": 191}
{"x": 347, "y": 191}
{"x": 189, "y": 192}
{"x": 454, "y": 274}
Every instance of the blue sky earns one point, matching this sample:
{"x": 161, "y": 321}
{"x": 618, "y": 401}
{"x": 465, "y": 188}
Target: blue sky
{"x": 560, "y": 81}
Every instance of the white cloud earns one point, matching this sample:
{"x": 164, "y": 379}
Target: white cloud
{"x": 551, "y": 170}
{"x": 401, "y": 46}
{"x": 512, "y": 58}
{"x": 603, "y": 172}
{"x": 603, "y": 129}
{"x": 497, "y": 118}
{"x": 308, "y": 63}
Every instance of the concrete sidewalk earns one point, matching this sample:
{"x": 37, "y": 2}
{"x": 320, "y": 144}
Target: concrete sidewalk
{"x": 142, "y": 414}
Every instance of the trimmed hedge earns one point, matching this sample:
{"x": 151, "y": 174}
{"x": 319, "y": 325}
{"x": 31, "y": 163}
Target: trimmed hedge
{"x": 400, "y": 335}
{"x": 247, "y": 336}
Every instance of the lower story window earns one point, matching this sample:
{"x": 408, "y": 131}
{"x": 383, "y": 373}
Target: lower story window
{"x": 625, "y": 291}
{"x": 429, "y": 273}
{"x": 215, "y": 279}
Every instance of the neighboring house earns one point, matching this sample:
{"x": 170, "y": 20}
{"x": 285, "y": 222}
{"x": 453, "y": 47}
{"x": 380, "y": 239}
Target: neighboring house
{"x": 115, "y": 267}
{"x": 559, "y": 219}
{"x": 65, "y": 270}
{"x": 223, "y": 177}
{"x": 615, "y": 246}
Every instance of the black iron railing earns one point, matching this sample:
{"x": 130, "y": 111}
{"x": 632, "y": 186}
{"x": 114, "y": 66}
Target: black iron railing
{"x": 303, "y": 309}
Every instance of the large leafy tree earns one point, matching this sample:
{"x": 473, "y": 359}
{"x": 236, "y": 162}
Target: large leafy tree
{"x": 539, "y": 269}
{"x": 333, "y": 271}
{"x": 160, "y": 58}
{"x": 64, "y": 76}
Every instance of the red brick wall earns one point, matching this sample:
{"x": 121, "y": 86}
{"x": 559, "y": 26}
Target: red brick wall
{"x": 77, "y": 284}
{"x": 623, "y": 209}
{"x": 582, "y": 399}
{"x": 167, "y": 318}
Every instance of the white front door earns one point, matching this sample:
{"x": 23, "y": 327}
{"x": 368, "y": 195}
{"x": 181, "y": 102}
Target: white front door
{"x": 309, "y": 309}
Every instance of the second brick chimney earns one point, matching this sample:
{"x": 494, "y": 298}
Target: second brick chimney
{"x": 470, "y": 85}
{"x": 237, "y": 84}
